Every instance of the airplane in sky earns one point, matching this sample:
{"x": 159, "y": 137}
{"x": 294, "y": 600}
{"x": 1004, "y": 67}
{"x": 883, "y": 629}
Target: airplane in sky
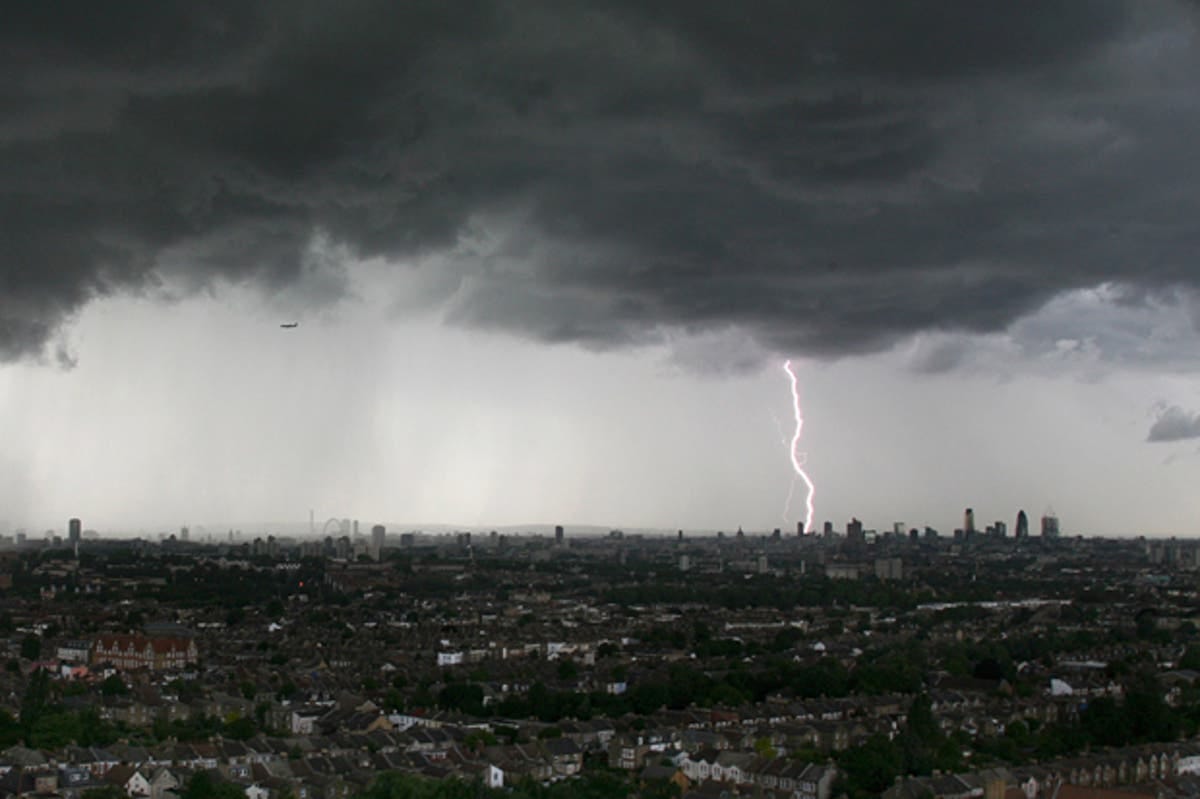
{"x": 290, "y": 325}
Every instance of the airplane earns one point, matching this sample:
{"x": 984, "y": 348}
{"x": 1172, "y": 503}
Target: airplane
{"x": 290, "y": 325}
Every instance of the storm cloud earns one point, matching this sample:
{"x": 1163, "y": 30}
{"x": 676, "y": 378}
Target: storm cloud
{"x": 1174, "y": 424}
{"x": 826, "y": 178}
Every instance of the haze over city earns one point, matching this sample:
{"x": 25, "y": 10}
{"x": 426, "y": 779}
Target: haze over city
{"x": 547, "y": 259}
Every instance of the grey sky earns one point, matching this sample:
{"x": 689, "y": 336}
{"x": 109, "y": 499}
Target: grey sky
{"x": 659, "y": 199}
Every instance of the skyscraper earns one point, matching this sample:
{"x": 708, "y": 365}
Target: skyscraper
{"x": 854, "y": 532}
{"x": 558, "y": 535}
{"x": 1022, "y": 530}
{"x": 378, "y": 534}
{"x": 969, "y": 521}
{"x": 74, "y": 531}
{"x": 1049, "y": 526}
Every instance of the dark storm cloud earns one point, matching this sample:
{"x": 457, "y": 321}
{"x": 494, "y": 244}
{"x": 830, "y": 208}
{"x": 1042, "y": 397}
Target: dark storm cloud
{"x": 825, "y": 176}
{"x": 1174, "y": 424}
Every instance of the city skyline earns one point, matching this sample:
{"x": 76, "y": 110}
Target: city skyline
{"x": 546, "y": 263}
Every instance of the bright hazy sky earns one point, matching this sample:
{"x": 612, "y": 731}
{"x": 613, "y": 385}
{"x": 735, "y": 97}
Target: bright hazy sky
{"x": 548, "y": 257}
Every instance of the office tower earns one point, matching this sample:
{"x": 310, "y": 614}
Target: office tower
{"x": 1049, "y": 526}
{"x": 74, "y": 531}
{"x": 559, "y": 535}
{"x": 854, "y": 531}
{"x": 828, "y": 529}
{"x": 1022, "y": 530}
{"x": 378, "y": 534}
{"x": 184, "y": 533}
{"x": 800, "y": 528}
{"x": 969, "y": 521}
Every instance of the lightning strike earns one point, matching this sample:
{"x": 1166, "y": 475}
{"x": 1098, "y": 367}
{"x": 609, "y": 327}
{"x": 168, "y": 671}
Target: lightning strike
{"x": 798, "y": 459}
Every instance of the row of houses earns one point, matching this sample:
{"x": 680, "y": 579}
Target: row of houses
{"x": 1119, "y": 768}
{"x": 778, "y": 775}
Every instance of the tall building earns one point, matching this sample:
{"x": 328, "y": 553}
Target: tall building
{"x": 74, "y": 531}
{"x": 378, "y": 534}
{"x": 854, "y": 532}
{"x": 559, "y": 535}
{"x": 969, "y": 521}
{"x": 1022, "y": 530}
{"x": 1049, "y": 526}
{"x": 800, "y": 527}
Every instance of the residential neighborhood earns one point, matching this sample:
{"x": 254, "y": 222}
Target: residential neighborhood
{"x": 735, "y": 665}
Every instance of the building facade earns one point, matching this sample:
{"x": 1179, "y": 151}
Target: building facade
{"x": 158, "y": 653}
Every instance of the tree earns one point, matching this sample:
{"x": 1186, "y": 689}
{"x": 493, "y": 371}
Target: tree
{"x": 241, "y": 728}
{"x": 921, "y": 721}
{"x": 872, "y": 767}
{"x": 31, "y": 647}
{"x": 55, "y": 730}
{"x": 113, "y": 686}
{"x": 763, "y": 747}
{"x": 104, "y": 792}
{"x": 35, "y": 701}
{"x": 202, "y": 786}
{"x": 10, "y": 730}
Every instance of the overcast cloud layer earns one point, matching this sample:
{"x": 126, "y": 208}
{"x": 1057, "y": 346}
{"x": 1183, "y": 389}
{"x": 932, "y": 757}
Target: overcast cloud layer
{"x": 824, "y": 177}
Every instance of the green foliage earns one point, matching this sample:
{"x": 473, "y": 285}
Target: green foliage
{"x": 477, "y": 739}
{"x": 921, "y": 722}
{"x": 872, "y": 767}
{"x": 186, "y": 690}
{"x": 31, "y": 647}
{"x": 203, "y": 786}
{"x": 104, "y": 792}
{"x": 34, "y": 702}
{"x": 241, "y": 729}
{"x": 113, "y": 686}
{"x": 463, "y": 696}
{"x": 10, "y": 730}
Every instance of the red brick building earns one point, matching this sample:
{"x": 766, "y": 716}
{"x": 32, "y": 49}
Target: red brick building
{"x": 143, "y": 652}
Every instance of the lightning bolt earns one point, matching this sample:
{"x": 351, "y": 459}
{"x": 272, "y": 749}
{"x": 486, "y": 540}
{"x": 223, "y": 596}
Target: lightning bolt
{"x": 798, "y": 458}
